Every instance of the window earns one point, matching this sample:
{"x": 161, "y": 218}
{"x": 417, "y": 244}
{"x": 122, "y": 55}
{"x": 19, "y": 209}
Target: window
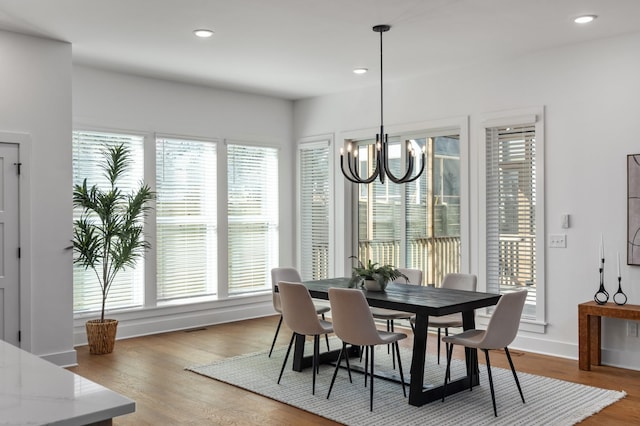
{"x": 314, "y": 210}
{"x": 514, "y": 222}
{"x": 253, "y": 216}
{"x": 128, "y": 288}
{"x": 182, "y": 265}
{"x": 416, "y": 225}
{"x": 186, "y": 218}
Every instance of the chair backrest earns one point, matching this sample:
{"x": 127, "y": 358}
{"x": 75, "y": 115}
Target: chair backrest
{"x": 414, "y": 276}
{"x": 298, "y": 311}
{"x": 351, "y": 317}
{"x": 282, "y": 274}
{"x": 503, "y": 325}
{"x": 458, "y": 281}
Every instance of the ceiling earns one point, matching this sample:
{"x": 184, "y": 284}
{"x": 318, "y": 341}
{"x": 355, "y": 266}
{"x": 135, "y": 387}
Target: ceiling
{"x": 302, "y": 48}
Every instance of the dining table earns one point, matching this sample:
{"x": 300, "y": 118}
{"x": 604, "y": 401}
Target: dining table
{"x": 423, "y": 301}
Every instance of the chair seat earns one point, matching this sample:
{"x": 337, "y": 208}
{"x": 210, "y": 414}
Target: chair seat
{"x": 387, "y": 337}
{"x": 327, "y": 327}
{"x": 446, "y": 321}
{"x": 321, "y": 309}
{"x": 470, "y": 339}
{"x": 388, "y": 314}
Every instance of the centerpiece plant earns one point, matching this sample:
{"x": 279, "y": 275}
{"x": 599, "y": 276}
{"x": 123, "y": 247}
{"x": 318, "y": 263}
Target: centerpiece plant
{"x": 108, "y": 237}
{"x": 372, "y": 275}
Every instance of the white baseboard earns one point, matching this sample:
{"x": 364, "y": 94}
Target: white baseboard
{"x": 613, "y": 358}
{"x": 173, "y": 318}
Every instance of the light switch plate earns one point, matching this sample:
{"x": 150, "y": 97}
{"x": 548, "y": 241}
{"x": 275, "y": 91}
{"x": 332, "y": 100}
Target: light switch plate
{"x": 558, "y": 240}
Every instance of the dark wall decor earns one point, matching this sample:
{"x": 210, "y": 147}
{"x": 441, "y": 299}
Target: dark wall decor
{"x": 633, "y": 209}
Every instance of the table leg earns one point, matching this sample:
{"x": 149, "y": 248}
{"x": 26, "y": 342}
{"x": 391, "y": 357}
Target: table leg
{"x": 471, "y": 354}
{"x": 584, "y": 340}
{"x": 298, "y": 353}
{"x": 417, "y": 360}
{"x": 595, "y": 337}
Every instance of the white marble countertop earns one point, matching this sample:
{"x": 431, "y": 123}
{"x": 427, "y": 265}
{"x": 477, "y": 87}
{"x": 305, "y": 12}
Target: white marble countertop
{"x": 34, "y": 392}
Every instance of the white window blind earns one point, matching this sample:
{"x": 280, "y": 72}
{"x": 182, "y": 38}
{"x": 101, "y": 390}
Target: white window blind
{"x": 253, "y": 216}
{"x": 186, "y": 215}
{"x": 314, "y": 211}
{"x": 88, "y": 148}
{"x": 511, "y": 210}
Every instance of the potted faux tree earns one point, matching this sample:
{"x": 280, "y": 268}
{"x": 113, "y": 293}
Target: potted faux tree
{"x": 372, "y": 276}
{"x": 108, "y": 237}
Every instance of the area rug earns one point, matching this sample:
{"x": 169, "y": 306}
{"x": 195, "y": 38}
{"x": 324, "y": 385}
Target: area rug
{"x": 548, "y": 401}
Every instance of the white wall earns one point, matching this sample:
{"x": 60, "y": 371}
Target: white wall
{"x": 35, "y": 100}
{"x": 590, "y": 95}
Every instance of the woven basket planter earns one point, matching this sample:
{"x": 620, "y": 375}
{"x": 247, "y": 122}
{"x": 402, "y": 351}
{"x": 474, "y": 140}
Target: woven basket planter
{"x": 101, "y": 336}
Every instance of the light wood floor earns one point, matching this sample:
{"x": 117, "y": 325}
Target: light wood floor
{"x": 150, "y": 370}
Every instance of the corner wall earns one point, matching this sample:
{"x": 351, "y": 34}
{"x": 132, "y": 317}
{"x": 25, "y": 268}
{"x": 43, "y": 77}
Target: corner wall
{"x": 35, "y": 99}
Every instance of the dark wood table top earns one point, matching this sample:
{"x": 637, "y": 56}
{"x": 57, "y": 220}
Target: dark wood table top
{"x": 420, "y": 300}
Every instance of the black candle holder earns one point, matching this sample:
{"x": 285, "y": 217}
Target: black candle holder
{"x": 602, "y": 296}
{"x": 620, "y": 298}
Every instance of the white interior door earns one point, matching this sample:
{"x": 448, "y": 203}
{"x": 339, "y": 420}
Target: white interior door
{"x": 9, "y": 245}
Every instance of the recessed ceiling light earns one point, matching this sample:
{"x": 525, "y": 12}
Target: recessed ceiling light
{"x": 203, "y": 33}
{"x": 584, "y": 19}
{"x": 360, "y": 70}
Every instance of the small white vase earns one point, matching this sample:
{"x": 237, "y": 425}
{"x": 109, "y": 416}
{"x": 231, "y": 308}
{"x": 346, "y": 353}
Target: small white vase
{"x": 373, "y": 285}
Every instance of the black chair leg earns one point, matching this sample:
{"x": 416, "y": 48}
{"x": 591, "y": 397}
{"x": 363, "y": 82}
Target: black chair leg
{"x": 326, "y": 337}
{"x": 371, "y": 385}
{"x": 348, "y": 367}
{"x": 404, "y": 392}
{"x": 389, "y": 329}
{"x": 448, "y": 371}
{"x": 314, "y": 364}
{"x": 393, "y": 355}
{"x": 366, "y": 365}
{"x": 293, "y": 336}
{"x": 276, "y": 336}
{"x": 493, "y": 394}
{"x": 515, "y": 376}
{"x": 335, "y": 371}
{"x": 438, "y": 345}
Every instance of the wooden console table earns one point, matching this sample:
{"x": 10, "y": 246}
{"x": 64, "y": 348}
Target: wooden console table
{"x": 589, "y": 324}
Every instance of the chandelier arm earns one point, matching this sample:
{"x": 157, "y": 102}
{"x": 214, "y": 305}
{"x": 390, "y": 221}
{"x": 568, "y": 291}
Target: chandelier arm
{"x": 419, "y": 173}
{"x": 356, "y": 173}
{"x": 353, "y": 175}
{"x": 387, "y": 170}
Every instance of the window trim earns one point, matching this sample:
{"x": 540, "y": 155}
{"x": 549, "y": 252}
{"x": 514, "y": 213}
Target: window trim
{"x": 459, "y": 124}
{"x": 533, "y": 115}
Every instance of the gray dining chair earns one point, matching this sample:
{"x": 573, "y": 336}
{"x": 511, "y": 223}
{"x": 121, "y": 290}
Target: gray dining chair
{"x": 500, "y": 332}
{"x": 454, "y": 281}
{"x": 354, "y": 325}
{"x": 290, "y": 275}
{"x": 300, "y": 316}
{"x": 414, "y": 276}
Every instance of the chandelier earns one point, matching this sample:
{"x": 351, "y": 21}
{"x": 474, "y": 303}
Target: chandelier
{"x": 381, "y": 159}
